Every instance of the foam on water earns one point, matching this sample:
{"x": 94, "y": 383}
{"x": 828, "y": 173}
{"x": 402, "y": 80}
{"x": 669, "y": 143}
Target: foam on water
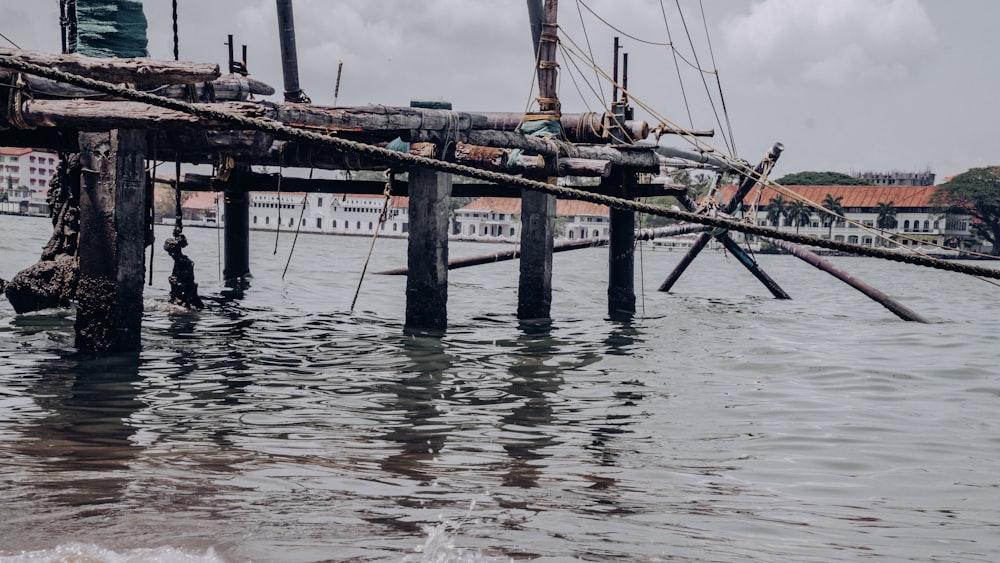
{"x": 89, "y": 553}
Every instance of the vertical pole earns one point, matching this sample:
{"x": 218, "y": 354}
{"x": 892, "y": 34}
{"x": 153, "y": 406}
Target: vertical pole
{"x": 621, "y": 259}
{"x": 236, "y": 236}
{"x": 621, "y": 248}
{"x": 289, "y": 56}
{"x": 538, "y": 210}
{"x": 112, "y": 237}
{"x": 427, "y": 250}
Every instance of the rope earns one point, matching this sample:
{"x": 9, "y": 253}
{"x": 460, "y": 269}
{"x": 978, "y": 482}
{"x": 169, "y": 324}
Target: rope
{"x": 288, "y": 133}
{"x": 295, "y": 239}
{"x": 677, "y": 65}
{"x": 277, "y": 230}
{"x": 178, "y": 211}
{"x": 177, "y": 54}
{"x": 387, "y": 192}
{"x": 152, "y": 247}
{"x": 15, "y": 103}
{"x": 586, "y": 36}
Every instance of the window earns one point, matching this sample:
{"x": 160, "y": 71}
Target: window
{"x": 303, "y": 223}
{"x": 472, "y": 229}
{"x": 571, "y": 234}
{"x": 395, "y": 226}
{"x": 291, "y": 221}
{"x": 334, "y": 225}
{"x": 853, "y": 239}
{"x": 596, "y": 234}
{"x": 906, "y": 225}
{"x": 254, "y": 219}
{"x": 927, "y": 225}
{"x": 319, "y": 202}
{"x": 512, "y": 231}
{"x": 867, "y": 241}
{"x": 370, "y": 225}
{"x": 319, "y": 223}
{"x": 359, "y": 225}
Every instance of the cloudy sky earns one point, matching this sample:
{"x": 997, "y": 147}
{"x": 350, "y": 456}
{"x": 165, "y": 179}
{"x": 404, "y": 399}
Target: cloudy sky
{"x": 846, "y": 85}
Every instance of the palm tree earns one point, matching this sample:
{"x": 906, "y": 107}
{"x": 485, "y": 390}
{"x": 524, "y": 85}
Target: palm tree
{"x": 833, "y": 210}
{"x": 885, "y": 216}
{"x": 798, "y": 214}
{"x": 775, "y": 210}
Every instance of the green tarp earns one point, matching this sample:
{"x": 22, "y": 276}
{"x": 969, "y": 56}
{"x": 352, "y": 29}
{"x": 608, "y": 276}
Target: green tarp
{"x": 108, "y": 28}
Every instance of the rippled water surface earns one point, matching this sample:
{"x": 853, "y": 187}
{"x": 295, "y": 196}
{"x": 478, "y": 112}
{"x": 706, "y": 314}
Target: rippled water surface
{"x": 718, "y": 425}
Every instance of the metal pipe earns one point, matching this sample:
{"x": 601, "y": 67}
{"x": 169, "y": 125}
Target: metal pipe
{"x": 289, "y": 57}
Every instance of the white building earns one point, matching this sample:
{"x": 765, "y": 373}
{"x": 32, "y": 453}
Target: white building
{"x": 344, "y": 214}
{"x": 499, "y": 219}
{"x": 918, "y": 220}
{"x": 24, "y": 179}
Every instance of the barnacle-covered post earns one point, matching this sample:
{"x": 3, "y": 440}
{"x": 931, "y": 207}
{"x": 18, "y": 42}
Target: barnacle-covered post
{"x": 112, "y": 198}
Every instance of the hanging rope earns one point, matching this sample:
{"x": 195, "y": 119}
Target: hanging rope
{"x": 387, "y": 192}
{"x": 152, "y": 228}
{"x": 295, "y": 239}
{"x": 177, "y": 52}
{"x": 277, "y": 230}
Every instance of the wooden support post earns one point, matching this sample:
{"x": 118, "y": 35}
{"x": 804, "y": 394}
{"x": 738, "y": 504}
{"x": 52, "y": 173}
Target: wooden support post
{"x": 621, "y": 261}
{"x": 112, "y": 238}
{"x": 538, "y": 220}
{"x": 236, "y": 234}
{"x": 427, "y": 250}
{"x": 538, "y": 210}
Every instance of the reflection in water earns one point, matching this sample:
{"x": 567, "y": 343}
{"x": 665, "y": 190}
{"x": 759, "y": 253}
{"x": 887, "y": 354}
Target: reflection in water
{"x": 86, "y": 432}
{"x": 419, "y": 435}
{"x": 535, "y": 379}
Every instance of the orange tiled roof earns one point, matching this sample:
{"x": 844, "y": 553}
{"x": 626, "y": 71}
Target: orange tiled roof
{"x": 564, "y": 207}
{"x": 853, "y": 196}
{"x": 10, "y": 151}
{"x": 200, "y": 200}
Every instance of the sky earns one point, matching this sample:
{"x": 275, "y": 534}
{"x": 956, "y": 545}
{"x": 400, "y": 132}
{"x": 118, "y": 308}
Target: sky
{"x": 845, "y": 85}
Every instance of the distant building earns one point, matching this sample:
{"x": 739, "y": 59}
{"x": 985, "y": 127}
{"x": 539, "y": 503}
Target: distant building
{"x": 917, "y": 220}
{"x": 24, "y": 179}
{"x": 347, "y": 214}
{"x": 499, "y": 218}
{"x": 897, "y": 178}
{"x": 486, "y": 219}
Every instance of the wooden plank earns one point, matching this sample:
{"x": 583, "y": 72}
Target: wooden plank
{"x": 139, "y": 71}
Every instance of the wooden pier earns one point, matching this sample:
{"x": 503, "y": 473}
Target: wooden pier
{"x": 75, "y": 104}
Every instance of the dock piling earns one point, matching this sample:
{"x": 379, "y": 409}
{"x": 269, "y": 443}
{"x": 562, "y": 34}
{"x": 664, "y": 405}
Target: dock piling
{"x": 112, "y": 241}
{"x": 427, "y": 250}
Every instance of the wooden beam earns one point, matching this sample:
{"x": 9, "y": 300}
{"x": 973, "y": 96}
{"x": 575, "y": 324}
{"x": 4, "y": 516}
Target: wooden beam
{"x": 139, "y": 71}
{"x": 226, "y": 87}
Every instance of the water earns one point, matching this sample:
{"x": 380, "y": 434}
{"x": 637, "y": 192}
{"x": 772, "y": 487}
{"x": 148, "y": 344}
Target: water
{"x": 719, "y": 425}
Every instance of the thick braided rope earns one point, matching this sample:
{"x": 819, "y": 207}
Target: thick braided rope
{"x": 403, "y": 159}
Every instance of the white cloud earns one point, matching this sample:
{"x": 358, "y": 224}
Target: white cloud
{"x": 829, "y": 42}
